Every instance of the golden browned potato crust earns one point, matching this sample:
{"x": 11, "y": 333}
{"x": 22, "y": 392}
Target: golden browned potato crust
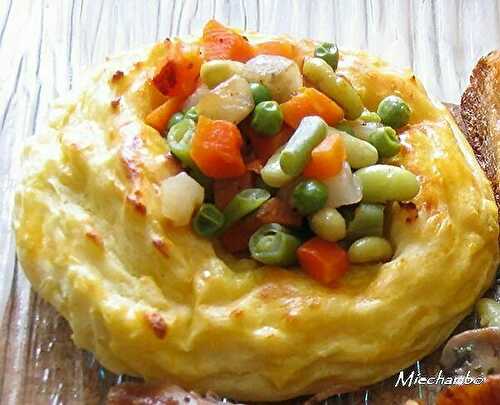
{"x": 153, "y": 300}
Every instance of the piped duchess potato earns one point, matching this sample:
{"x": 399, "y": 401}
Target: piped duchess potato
{"x": 153, "y": 298}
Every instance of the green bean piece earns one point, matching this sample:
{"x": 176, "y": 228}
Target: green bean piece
{"x": 243, "y": 203}
{"x": 345, "y": 127}
{"x": 215, "y": 72}
{"x": 328, "y": 224}
{"x": 329, "y": 53}
{"x": 370, "y": 116}
{"x": 208, "y": 221}
{"x": 359, "y": 153}
{"x": 174, "y": 119}
{"x": 272, "y": 174}
{"x": 260, "y": 93}
{"x": 274, "y": 245}
{"x": 368, "y": 220}
{"x": 394, "y": 112}
{"x": 179, "y": 141}
{"x": 297, "y": 152}
{"x": 309, "y": 196}
{"x": 370, "y": 249}
{"x": 386, "y": 141}
{"x": 192, "y": 114}
{"x": 337, "y": 87}
{"x": 382, "y": 183}
{"x": 267, "y": 118}
{"x": 489, "y": 312}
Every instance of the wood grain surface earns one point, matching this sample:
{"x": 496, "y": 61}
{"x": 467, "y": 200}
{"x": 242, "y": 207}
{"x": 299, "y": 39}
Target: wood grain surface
{"x": 44, "y": 47}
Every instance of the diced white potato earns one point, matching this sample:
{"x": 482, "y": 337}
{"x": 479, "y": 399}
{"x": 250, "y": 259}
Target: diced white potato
{"x": 343, "y": 188}
{"x": 181, "y": 196}
{"x": 231, "y": 100}
{"x": 195, "y": 98}
{"x": 279, "y": 74}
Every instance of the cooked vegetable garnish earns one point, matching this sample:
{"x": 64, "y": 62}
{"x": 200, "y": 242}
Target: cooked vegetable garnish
{"x": 208, "y": 221}
{"x": 324, "y": 261}
{"x": 174, "y": 119}
{"x": 267, "y": 118}
{"x": 160, "y": 116}
{"x": 328, "y": 224}
{"x": 489, "y": 312}
{"x": 215, "y": 148}
{"x": 327, "y": 158}
{"x": 309, "y": 196}
{"x": 358, "y": 153}
{"x": 220, "y": 42}
{"x": 370, "y": 249}
{"x": 386, "y": 141}
{"x": 310, "y": 101}
{"x": 260, "y": 93}
{"x": 394, "y": 112}
{"x": 382, "y": 183}
{"x": 368, "y": 220}
{"x": 244, "y": 203}
{"x": 329, "y": 53}
{"x": 297, "y": 152}
{"x": 231, "y": 100}
{"x": 298, "y": 145}
{"x": 192, "y": 114}
{"x": 274, "y": 245}
{"x": 336, "y": 87}
{"x": 179, "y": 140}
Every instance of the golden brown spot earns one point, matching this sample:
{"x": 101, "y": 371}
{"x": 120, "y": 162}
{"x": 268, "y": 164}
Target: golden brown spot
{"x": 173, "y": 164}
{"x": 236, "y": 313}
{"x": 115, "y": 104}
{"x": 157, "y": 323}
{"x": 138, "y": 65}
{"x": 135, "y": 199}
{"x": 410, "y": 210}
{"x": 274, "y": 291}
{"x": 94, "y": 237}
{"x": 117, "y": 76}
{"x": 161, "y": 246}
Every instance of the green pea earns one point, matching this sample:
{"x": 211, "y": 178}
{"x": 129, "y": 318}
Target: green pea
{"x": 394, "y": 112}
{"x": 192, "y": 114}
{"x": 489, "y": 312}
{"x": 370, "y": 249}
{"x": 179, "y": 141}
{"x": 382, "y": 183}
{"x": 345, "y": 127}
{"x": 174, "y": 119}
{"x": 272, "y": 174}
{"x": 260, "y": 93}
{"x": 368, "y": 220}
{"x": 328, "y": 224}
{"x": 386, "y": 141}
{"x": 244, "y": 203}
{"x": 274, "y": 245}
{"x": 208, "y": 221}
{"x": 297, "y": 152}
{"x": 359, "y": 153}
{"x": 370, "y": 116}
{"x": 329, "y": 53}
{"x": 267, "y": 118}
{"x": 309, "y": 196}
{"x": 337, "y": 87}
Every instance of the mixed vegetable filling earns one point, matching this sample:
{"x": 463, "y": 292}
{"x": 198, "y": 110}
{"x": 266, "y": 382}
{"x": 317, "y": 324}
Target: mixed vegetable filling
{"x": 281, "y": 160}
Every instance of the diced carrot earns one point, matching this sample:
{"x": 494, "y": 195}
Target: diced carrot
{"x": 324, "y": 261}
{"x": 278, "y": 211}
{"x": 226, "y": 189}
{"x": 310, "y": 101}
{"x": 158, "y": 118}
{"x": 178, "y": 74}
{"x": 265, "y": 146}
{"x": 326, "y": 158}
{"x": 276, "y": 47}
{"x": 215, "y": 148}
{"x": 221, "y": 42}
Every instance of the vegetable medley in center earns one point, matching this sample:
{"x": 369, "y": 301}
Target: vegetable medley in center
{"x": 281, "y": 161}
